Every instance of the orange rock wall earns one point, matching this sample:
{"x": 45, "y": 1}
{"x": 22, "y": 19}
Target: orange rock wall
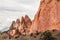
{"x": 46, "y": 18}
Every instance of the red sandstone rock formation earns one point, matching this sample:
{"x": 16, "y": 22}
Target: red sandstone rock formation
{"x": 25, "y": 25}
{"x": 22, "y": 26}
{"x": 47, "y": 17}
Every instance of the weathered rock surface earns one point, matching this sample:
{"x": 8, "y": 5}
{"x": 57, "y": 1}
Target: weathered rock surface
{"x": 20, "y": 26}
{"x": 47, "y": 17}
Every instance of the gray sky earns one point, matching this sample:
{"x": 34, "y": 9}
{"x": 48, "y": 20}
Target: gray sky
{"x": 13, "y": 9}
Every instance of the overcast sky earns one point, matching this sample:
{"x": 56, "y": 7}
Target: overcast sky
{"x": 13, "y": 9}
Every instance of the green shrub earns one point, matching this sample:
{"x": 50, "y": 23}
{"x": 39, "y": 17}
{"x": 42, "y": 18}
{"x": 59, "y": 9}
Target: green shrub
{"x": 48, "y": 36}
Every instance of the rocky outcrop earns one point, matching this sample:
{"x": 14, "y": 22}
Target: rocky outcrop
{"x": 25, "y": 25}
{"x": 20, "y": 27}
{"x": 47, "y": 16}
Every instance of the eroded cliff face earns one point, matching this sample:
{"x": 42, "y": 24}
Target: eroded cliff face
{"x": 20, "y": 27}
{"x": 47, "y": 17}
